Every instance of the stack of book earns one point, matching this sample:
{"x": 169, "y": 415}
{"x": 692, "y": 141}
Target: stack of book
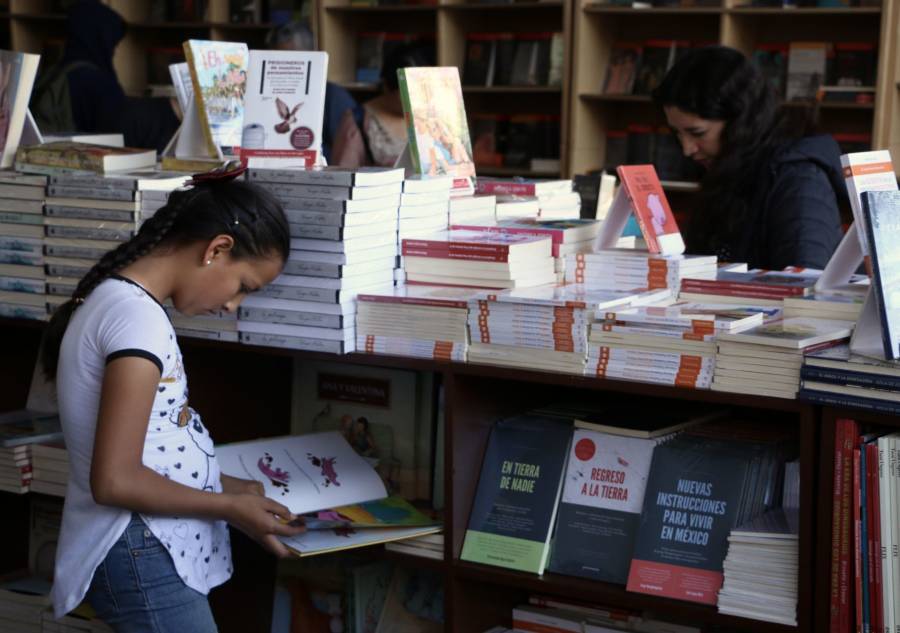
{"x": 763, "y": 287}
{"x": 416, "y": 321}
{"x": 477, "y": 209}
{"x": 843, "y": 304}
{"x": 429, "y": 546}
{"x": 19, "y": 430}
{"x": 424, "y": 207}
{"x": 761, "y": 569}
{"x": 22, "y": 604}
{"x": 668, "y": 344}
{"x": 837, "y": 377}
{"x": 517, "y": 197}
{"x": 343, "y": 241}
{"x": 766, "y": 360}
{"x": 479, "y": 259}
{"x": 545, "y": 327}
{"x": 23, "y": 287}
{"x": 50, "y": 468}
{"x": 625, "y": 268}
{"x": 15, "y": 469}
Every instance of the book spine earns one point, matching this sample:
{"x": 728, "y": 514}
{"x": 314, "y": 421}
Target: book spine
{"x": 416, "y": 248}
{"x": 294, "y": 342}
{"x": 858, "y": 379}
{"x": 93, "y": 193}
{"x": 412, "y": 301}
{"x": 211, "y": 148}
{"x": 862, "y": 473}
{"x": 744, "y": 293}
{"x": 413, "y": 146}
{"x": 846, "y": 513}
{"x": 83, "y": 213}
{"x": 505, "y": 188}
{"x": 289, "y": 317}
{"x": 858, "y": 574}
{"x": 721, "y": 287}
{"x": 874, "y": 519}
{"x": 836, "y": 497}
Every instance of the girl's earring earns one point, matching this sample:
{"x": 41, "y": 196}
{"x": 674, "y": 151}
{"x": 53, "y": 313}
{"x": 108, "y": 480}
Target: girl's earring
{"x": 208, "y": 262}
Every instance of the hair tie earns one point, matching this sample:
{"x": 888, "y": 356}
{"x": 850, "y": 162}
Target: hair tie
{"x": 228, "y": 171}
{"x": 78, "y": 300}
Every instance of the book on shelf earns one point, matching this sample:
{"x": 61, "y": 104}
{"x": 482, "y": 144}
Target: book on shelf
{"x": 439, "y": 143}
{"x": 219, "y": 77}
{"x": 772, "y": 61}
{"x": 284, "y": 104}
{"x": 518, "y": 492}
{"x": 657, "y": 57}
{"x": 311, "y": 473}
{"x": 854, "y": 64}
{"x": 414, "y": 603}
{"x": 621, "y": 71}
{"x": 806, "y": 71}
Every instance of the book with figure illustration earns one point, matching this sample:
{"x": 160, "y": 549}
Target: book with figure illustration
{"x": 439, "y": 143}
{"x": 284, "y": 104}
{"x": 219, "y": 75}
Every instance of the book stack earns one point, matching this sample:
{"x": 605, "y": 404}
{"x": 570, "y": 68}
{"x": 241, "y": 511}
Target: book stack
{"x": 517, "y": 198}
{"x": 343, "y": 241}
{"x": 23, "y": 603}
{"x": 841, "y": 304}
{"x": 15, "y": 469}
{"x": 766, "y": 360}
{"x": 23, "y": 287}
{"x": 837, "y": 377}
{"x": 50, "y": 468}
{"x": 429, "y": 546}
{"x": 763, "y": 287}
{"x": 544, "y": 327}
{"x": 761, "y": 568}
{"x": 217, "y": 325}
{"x": 416, "y": 321}
{"x": 424, "y": 210}
{"x": 477, "y": 209}
{"x": 668, "y": 344}
{"x": 625, "y": 268}
{"x": 479, "y": 259}
{"x": 19, "y": 430}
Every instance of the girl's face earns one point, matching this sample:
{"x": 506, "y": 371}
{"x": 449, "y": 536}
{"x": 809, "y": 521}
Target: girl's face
{"x": 223, "y": 283}
{"x": 700, "y": 138}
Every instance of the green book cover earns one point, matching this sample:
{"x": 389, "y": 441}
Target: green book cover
{"x": 518, "y": 492}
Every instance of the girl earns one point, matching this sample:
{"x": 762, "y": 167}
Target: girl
{"x": 770, "y": 194}
{"x": 144, "y": 533}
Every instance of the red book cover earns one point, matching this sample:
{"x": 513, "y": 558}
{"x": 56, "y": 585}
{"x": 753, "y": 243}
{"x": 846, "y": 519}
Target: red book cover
{"x": 437, "y": 296}
{"x": 851, "y": 440}
{"x": 651, "y": 208}
{"x": 835, "y": 619}
{"x": 873, "y": 505}
{"x": 857, "y": 541}
{"x": 475, "y": 245}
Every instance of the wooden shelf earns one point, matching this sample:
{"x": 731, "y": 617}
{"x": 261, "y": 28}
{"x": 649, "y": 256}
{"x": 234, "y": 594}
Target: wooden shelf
{"x": 387, "y": 8}
{"x": 358, "y": 86}
{"x": 170, "y": 26}
{"x": 512, "y": 89}
{"x": 500, "y": 6}
{"x": 613, "y": 98}
{"x": 609, "y": 594}
{"x": 604, "y": 8}
{"x": 681, "y": 186}
{"x": 841, "y": 11}
{"x": 43, "y": 17}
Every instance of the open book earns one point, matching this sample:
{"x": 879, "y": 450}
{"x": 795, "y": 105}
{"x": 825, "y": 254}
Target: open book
{"x": 316, "y": 472}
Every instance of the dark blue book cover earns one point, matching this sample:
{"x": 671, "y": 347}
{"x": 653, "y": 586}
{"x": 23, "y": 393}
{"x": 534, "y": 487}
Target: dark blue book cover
{"x": 843, "y": 400}
{"x": 518, "y": 492}
{"x": 601, "y": 504}
{"x": 881, "y": 212}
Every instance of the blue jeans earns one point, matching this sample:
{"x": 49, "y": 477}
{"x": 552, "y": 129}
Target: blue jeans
{"x": 137, "y": 590}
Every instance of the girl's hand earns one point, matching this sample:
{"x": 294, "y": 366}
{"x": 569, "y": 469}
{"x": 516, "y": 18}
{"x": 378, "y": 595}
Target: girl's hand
{"x": 262, "y": 519}
{"x": 234, "y": 485}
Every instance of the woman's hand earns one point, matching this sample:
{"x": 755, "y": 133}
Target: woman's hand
{"x": 261, "y": 519}
{"x": 234, "y": 485}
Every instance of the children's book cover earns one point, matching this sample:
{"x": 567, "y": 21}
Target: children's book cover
{"x": 284, "y": 103}
{"x": 651, "y": 209}
{"x": 439, "y": 142}
{"x": 304, "y": 472}
{"x": 219, "y": 75}
{"x": 388, "y": 512}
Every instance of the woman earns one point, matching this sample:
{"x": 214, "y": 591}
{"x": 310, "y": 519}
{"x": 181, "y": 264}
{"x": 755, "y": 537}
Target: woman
{"x": 770, "y": 192}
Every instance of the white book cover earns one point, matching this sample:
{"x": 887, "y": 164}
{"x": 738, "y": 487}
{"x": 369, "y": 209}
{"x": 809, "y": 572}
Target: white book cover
{"x": 284, "y": 103}
{"x": 866, "y": 171}
{"x": 795, "y": 333}
{"x": 306, "y": 473}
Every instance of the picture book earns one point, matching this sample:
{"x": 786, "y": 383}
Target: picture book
{"x": 386, "y": 415}
{"x": 17, "y": 73}
{"x": 516, "y": 501}
{"x": 284, "y": 103}
{"x": 600, "y": 506}
{"x": 219, "y": 75}
{"x": 306, "y": 473}
{"x": 439, "y": 143}
{"x": 84, "y": 158}
{"x": 314, "y": 542}
{"x": 388, "y": 512}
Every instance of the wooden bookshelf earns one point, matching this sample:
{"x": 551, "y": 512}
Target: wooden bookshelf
{"x": 598, "y": 26}
{"x": 476, "y": 596}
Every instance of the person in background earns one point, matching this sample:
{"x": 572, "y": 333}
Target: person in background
{"x": 771, "y": 190}
{"x": 379, "y": 135}
{"x": 297, "y": 36}
{"x": 96, "y": 101}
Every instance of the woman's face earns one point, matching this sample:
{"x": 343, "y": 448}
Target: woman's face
{"x": 700, "y": 138}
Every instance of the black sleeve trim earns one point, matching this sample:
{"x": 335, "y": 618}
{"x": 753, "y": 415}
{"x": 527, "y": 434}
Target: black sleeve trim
{"x": 140, "y": 353}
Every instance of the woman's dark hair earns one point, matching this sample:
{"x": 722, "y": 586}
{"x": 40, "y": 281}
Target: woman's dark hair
{"x": 419, "y": 53}
{"x": 719, "y": 83}
{"x": 249, "y": 214}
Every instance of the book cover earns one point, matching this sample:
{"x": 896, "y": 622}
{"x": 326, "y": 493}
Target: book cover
{"x": 656, "y": 58}
{"x": 391, "y": 511}
{"x": 304, "y": 472}
{"x": 17, "y": 73}
{"x": 881, "y": 211}
{"x": 480, "y": 59}
{"x": 601, "y": 503}
{"x": 651, "y": 209}
{"x": 86, "y": 158}
{"x": 621, "y": 72}
{"x": 219, "y": 75}
{"x": 435, "y": 115}
{"x": 866, "y": 171}
{"x": 315, "y": 542}
{"x": 806, "y": 69}
{"x": 284, "y": 103}
{"x": 691, "y": 504}
{"x": 518, "y": 489}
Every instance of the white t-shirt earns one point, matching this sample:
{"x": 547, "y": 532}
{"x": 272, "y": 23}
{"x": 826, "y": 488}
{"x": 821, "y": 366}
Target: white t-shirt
{"x": 119, "y": 318}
